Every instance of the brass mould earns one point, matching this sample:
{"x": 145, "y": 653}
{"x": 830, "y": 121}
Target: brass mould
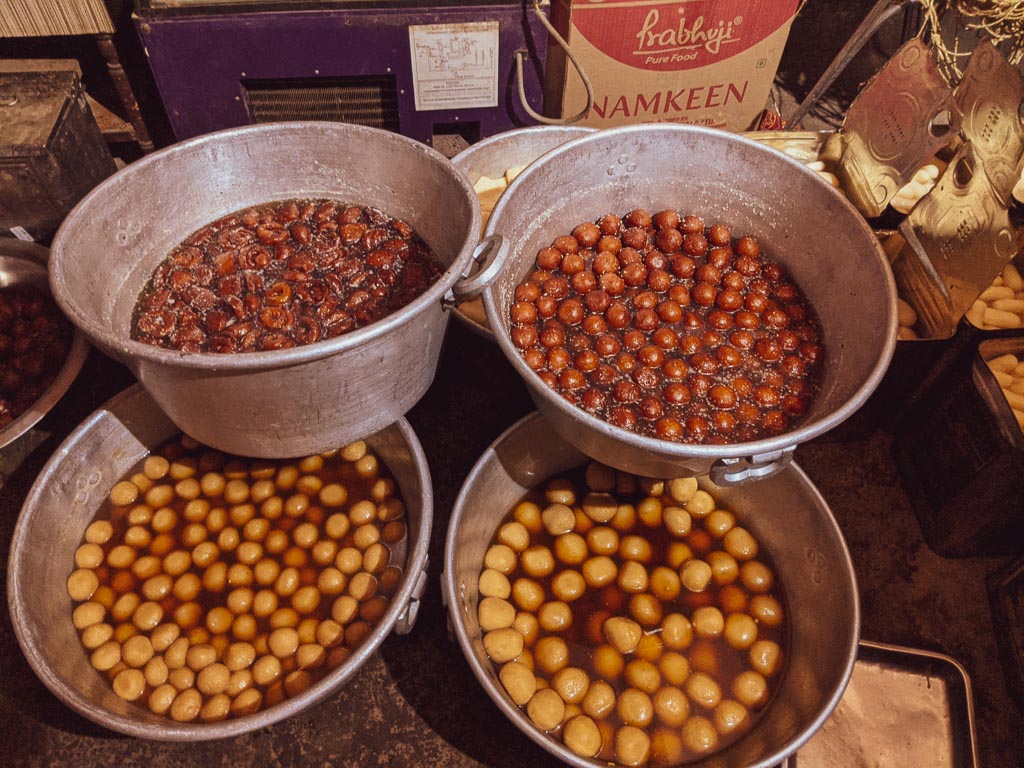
{"x": 903, "y": 116}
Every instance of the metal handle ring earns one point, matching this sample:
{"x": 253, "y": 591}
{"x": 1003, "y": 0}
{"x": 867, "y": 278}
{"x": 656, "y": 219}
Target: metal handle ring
{"x": 739, "y": 470}
{"x": 489, "y": 255}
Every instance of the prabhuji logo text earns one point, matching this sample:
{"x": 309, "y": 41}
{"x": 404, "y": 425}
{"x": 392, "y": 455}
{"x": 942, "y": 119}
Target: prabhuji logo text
{"x": 662, "y": 43}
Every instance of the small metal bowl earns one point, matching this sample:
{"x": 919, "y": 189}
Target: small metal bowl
{"x": 64, "y": 500}
{"x": 24, "y": 263}
{"x": 785, "y": 513}
{"x": 492, "y": 157}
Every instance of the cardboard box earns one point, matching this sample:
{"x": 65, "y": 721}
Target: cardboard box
{"x": 703, "y": 62}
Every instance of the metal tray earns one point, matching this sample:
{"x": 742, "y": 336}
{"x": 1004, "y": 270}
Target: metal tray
{"x": 903, "y": 708}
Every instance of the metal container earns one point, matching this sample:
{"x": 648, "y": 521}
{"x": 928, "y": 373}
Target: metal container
{"x": 51, "y": 149}
{"x": 785, "y": 513}
{"x": 492, "y": 157}
{"x": 801, "y": 221}
{"x": 64, "y": 500}
{"x": 24, "y": 263}
{"x": 284, "y": 402}
{"x": 513, "y": 149}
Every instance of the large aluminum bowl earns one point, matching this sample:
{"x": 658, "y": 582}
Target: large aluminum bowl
{"x": 284, "y": 402}
{"x": 65, "y": 499}
{"x": 800, "y": 220}
{"x": 785, "y": 513}
{"x": 492, "y": 157}
{"x": 24, "y": 263}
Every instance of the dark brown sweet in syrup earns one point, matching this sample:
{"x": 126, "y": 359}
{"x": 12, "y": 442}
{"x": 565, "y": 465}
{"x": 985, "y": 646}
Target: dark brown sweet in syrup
{"x": 739, "y": 347}
{"x": 281, "y": 275}
{"x": 35, "y": 339}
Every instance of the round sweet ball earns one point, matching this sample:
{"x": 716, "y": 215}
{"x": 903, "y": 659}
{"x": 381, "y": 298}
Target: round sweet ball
{"x": 632, "y": 745}
{"x": 582, "y": 736}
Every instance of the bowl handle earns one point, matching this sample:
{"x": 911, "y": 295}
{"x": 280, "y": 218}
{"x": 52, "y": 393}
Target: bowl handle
{"x": 489, "y": 256}
{"x": 740, "y": 469}
{"x": 407, "y": 618}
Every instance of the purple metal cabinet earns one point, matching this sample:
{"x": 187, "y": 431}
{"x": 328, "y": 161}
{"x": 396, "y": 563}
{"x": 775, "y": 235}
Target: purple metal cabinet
{"x": 223, "y": 69}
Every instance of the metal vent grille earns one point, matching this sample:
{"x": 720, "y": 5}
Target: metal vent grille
{"x": 368, "y": 100}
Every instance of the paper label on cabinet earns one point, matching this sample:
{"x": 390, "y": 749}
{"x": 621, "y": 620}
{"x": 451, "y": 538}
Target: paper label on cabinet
{"x": 454, "y": 66}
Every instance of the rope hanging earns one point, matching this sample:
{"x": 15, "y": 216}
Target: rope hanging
{"x": 1001, "y": 20}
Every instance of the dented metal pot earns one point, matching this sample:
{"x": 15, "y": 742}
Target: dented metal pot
{"x": 800, "y": 221}
{"x": 784, "y": 512}
{"x": 64, "y": 500}
{"x": 492, "y": 157}
{"x": 287, "y": 402}
{"x": 24, "y": 263}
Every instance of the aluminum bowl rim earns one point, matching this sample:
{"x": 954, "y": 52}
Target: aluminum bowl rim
{"x": 278, "y": 358}
{"x": 459, "y": 160}
{"x": 683, "y": 451}
{"x": 171, "y": 731}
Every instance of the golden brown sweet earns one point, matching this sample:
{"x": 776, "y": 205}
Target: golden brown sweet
{"x": 212, "y": 587}
{"x": 648, "y": 636}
